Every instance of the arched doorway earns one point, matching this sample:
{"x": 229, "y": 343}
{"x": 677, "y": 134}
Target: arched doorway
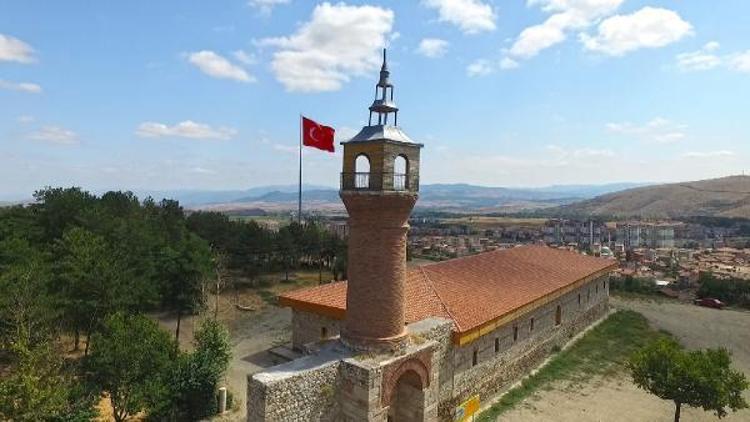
{"x": 407, "y": 400}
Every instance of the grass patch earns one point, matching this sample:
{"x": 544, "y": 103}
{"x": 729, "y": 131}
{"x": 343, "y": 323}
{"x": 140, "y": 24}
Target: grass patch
{"x": 603, "y": 350}
{"x": 648, "y": 297}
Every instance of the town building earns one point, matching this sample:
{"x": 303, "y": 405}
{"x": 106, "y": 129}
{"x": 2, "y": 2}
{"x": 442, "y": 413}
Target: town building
{"x": 582, "y": 233}
{"x": 411, "y": 344}
{"x": 636, "y": 234}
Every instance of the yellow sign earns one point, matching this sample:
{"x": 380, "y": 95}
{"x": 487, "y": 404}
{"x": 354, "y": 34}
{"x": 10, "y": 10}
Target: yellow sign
{"x": 466, "y": 411}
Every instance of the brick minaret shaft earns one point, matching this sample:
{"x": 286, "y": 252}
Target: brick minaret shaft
{"x": 375, "y": 299}
{"x": 379, "y": 197}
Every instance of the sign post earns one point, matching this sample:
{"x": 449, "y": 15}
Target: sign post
{"x": 466, "y": 411}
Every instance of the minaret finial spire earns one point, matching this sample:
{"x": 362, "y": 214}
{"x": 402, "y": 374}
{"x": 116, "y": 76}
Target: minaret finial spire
{"x": 383, "y": 104}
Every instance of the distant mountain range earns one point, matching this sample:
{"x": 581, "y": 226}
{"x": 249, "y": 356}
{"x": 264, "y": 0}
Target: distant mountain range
{"x": 449, "y": 197}
{"x": 723, "y": 197}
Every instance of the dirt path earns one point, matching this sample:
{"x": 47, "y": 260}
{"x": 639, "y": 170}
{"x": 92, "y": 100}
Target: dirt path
{"x": 252, "y": 336}
{"x": 617, "y": 399}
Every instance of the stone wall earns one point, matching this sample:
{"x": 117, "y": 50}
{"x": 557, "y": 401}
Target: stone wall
{"x": 309, "y": 328}
{"x": 299, "y": 391}
{"x": 495, "y": 370}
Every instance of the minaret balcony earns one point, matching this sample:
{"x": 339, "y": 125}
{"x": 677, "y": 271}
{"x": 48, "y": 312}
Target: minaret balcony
{"x": 377, "y": 182}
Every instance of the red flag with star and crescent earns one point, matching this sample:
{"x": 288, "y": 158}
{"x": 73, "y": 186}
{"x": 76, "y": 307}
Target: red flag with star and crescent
{"x": 316, "y": 135}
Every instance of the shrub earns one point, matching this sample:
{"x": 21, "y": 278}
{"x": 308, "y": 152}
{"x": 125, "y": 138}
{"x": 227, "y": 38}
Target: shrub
{"x": 197, "y": 374}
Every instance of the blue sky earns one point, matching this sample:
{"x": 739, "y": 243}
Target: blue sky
{"x": 206, "y": 95}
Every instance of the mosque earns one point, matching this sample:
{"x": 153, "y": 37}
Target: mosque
{"x": 416, "y": 344}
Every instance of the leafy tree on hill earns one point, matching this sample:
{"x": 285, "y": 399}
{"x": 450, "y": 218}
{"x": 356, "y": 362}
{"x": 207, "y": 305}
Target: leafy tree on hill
{"x": 131, "y": 360}
{"x": 701, "y": 378}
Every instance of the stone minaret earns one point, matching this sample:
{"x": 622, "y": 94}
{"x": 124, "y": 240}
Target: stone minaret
{"x": 379, "y": 186}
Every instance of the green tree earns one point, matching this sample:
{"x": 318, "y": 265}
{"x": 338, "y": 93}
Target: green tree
{"x": 41, "y": 388}
{"x": 198, "y": 374}
{"x": 701, "y": 378}
{"x": 38, "y": 385}
{"x": 131, "y": 360}
{"x": 92, "y": 282}
{"x": 27, "y": 312}
{"x": 185, "y": 266}
{"x": 57, "y": 209}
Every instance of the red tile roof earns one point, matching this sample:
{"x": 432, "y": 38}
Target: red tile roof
{"x": 473, "y": 290}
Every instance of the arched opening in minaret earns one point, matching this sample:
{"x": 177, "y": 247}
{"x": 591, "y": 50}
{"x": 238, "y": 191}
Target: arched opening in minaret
{"x": 362, "y": 172}
{"x": 408, "y": 400}
{"x": 400, "y": 173}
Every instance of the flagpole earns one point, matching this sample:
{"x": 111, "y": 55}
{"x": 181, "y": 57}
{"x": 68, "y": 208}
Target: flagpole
{"x": 299, "y": 197}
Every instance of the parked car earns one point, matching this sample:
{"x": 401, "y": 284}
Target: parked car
{"x": 709, "y": 302}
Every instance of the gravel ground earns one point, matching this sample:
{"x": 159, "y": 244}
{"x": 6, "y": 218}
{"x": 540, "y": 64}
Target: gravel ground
{"x": 252, "y": 336}
{"x": 617, "y": 399}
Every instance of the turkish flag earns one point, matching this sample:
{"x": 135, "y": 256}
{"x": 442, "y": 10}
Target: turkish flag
{"x": 316, "y": 135}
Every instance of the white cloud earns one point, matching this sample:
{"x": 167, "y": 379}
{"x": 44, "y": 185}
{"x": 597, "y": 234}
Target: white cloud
{"x": 24, "y": 119}
{"x": 286, "y": 148}
{"x": 560, "y": 154}
{"x": 471, "y": 16}
{"x": 658, "y": 130}
{"x": 186, "y": 129}
{"x": 433, "y": 47}
{"x": 592, "y": 153}
{"x": 15, "y": 50}
{"x": 217, "y": 66}
{"x": 566, "y": 15}
{"x": 707, "y": 59}
{"x": 711, "y": 46}
{"x": 708, "y": 154}
{"x": 647, "y": 28}
{"x": 202, "y": 170}
{"x": 740, "y": 62}
{"x": 247, "y": 59}
{"x": 480, "y": 67}
{"x": 55, "y": 135}
{"x": 266, "y": 6}
{"x": 507, "y": 63}
{"x": 338, "y": 42}
{"x": 21, "y": 86}
{"x": 698, "y": 60}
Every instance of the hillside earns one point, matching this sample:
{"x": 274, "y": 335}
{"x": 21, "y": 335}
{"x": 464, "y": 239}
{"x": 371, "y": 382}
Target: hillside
{"x": 723, "y": 197}
{"x": 444, "y": 197}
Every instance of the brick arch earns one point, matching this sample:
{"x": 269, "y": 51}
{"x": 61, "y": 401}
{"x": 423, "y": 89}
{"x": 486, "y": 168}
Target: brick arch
{"x": 415, "y": 371}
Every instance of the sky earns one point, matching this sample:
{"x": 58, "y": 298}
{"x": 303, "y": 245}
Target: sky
{"x": 164, "y": 95}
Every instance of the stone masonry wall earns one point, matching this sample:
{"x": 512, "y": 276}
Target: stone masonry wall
{"x": 293, "y": 394}
{"x": 308, "y": 328}
{"x": 495, "y": 370}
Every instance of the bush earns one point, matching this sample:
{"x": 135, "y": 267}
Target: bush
{"x": 634, "y": 285}
{"x": 733, "y": 291}
{"x": 198, "y": 374}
